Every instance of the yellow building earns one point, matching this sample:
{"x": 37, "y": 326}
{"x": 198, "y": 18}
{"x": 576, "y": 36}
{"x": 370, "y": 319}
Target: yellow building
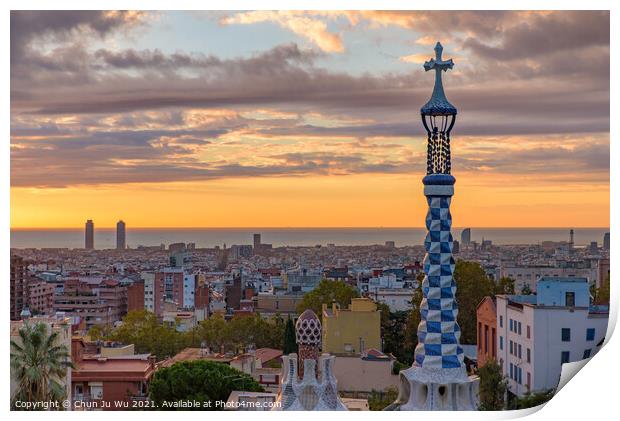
{"x": 354, "y": 330}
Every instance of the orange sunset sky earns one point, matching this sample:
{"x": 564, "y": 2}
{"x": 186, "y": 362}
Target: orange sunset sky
{"x": 305, "y": 119}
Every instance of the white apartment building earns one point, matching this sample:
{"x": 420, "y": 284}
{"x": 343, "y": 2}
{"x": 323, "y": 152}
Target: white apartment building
{"x": 189, "y": 290}
{"x": 536, "y": 334}
{"x": 372, "y": 285}
{"x": 149, "y": 290}
{"x": 396, "y": 299}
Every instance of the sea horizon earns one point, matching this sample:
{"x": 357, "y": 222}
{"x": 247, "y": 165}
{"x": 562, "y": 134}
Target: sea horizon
{"x": 105, "y": 237}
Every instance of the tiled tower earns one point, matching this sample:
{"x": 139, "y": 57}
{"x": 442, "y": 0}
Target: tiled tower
{"x": 308, "y": 384}
{"x": 438, "y": 379}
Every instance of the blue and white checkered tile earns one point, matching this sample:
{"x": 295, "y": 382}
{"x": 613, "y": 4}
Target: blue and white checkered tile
{"x": 438, "y": 332}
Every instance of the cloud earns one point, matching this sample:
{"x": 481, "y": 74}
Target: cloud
{"x": 28, "y": 26}
{"x": 83, "y": 115}
{"x": 306, "y": 27}
{"x": 542, "y": 35}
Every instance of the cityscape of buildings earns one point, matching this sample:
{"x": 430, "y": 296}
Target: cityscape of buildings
{"x": 74, "y": 290}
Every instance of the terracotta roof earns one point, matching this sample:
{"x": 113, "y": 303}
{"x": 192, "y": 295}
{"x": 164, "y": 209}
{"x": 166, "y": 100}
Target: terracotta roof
{"x": 193, "y": 354}
{"x": 116, "y": 369}
{"x": 267, "y": 354}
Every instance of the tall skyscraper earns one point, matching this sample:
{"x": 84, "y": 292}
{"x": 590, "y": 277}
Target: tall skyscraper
{"x": 466, "y": 236}
{"x": 120, "y": 235}
{"x": 89, "y": 242}
{"x": 19, "y": 287}
{"x": 606, "y": 243}
{"x": 256, "y": 242}
{"x": 438, "y": 379}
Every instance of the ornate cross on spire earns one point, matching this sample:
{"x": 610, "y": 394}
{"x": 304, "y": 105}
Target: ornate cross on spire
{"x": 438, "y": 104}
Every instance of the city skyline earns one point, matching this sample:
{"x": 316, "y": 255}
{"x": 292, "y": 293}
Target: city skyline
{"x": 313, "y": 123}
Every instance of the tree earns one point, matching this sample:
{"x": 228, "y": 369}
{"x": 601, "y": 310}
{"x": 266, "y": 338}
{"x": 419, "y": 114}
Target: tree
{"x": 414, "y": 319}
{"x": 505, "y": 286}
{"x": 473, "y": 285}
{"x": 326, "y": 293}
{"x": 526, "y": 290}
{"x": 37, "y": 364}
{"x": 290, "y": 341}
{"x": 493, "y": 387}
{"x": 215, "y": 332}
{"x": 98, "y": 332}
{"x": 602, "y": 294}
{"x": 530, "y": 400}
{"x": 199, "y": 380}
{"x": 377, "y": 401}
{"x": 394, "y": 331}
{"x": 142, "y": 329}
{"x": 241, "y": 332}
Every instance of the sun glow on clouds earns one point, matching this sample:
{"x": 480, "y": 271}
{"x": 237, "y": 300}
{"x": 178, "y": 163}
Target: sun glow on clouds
{"x": 280, "y": 138}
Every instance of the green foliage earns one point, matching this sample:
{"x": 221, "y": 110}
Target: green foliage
{"x": 413, "y": 321}
{"x": 98, "y": 332}
{"x": 526, "y": 290}
{"x": 473, "y": 285}
{"x": 241, "y": 332}
{"x": 199, "y": 380}
{"x": 505, "y": 286}
{"x": 37, "y": 365}
{"x": 398, "y": 367}
{"x": 142, "y": 329}
{"x": 493, "y": 387}
{"x": 290, "y": 342}
{"x": 394, "y": 331}
{"x": 377, "y": 401}
{"x": 602, "y": 294}
{"x": 530, "y": 400}
{"x": 326, "y": 293}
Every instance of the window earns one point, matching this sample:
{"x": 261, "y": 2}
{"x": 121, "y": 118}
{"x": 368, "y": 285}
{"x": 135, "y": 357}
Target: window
{"x": 590, "y": 334}
{"x": 529, "y": 380}
{"x": 493, "y": 347}
{"x": 501, "y": 321}
{"x": 519, "y": 372}
{"x": 519, "y": 326}
{"x": 565, "y": 357}
{"x": 565, "y": 334}
{"x": 501, "y": 342}
{"x": 528, "y": 331}
{"x": 586, "y": 353}
{"x": 511, "y": 371}
{"x": 486, "y": 339}
{"x": 528, "y": 353}
{"x": 570, "y": 299}
{"x": 510, "y": 324}
{"x": 96, "y": 391}
{"x": 510, "y": 347}
{"x": 479, "y": 335}
{"x": 519, "y": 353}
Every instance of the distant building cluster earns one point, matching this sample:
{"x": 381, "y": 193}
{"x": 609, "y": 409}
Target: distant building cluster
{"x": 74, "y": 290}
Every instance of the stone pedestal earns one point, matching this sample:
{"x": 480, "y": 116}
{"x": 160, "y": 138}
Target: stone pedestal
{"x": 437, "y": 390}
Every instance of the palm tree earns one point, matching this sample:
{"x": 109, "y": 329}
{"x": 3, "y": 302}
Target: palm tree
{"x": 37, "y": 363}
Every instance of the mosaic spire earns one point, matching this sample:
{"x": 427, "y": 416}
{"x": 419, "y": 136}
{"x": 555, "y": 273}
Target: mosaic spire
{"x": 308, "y": 382}
{"x": 438, "y": 333}
{"x": 438, "y": 380}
